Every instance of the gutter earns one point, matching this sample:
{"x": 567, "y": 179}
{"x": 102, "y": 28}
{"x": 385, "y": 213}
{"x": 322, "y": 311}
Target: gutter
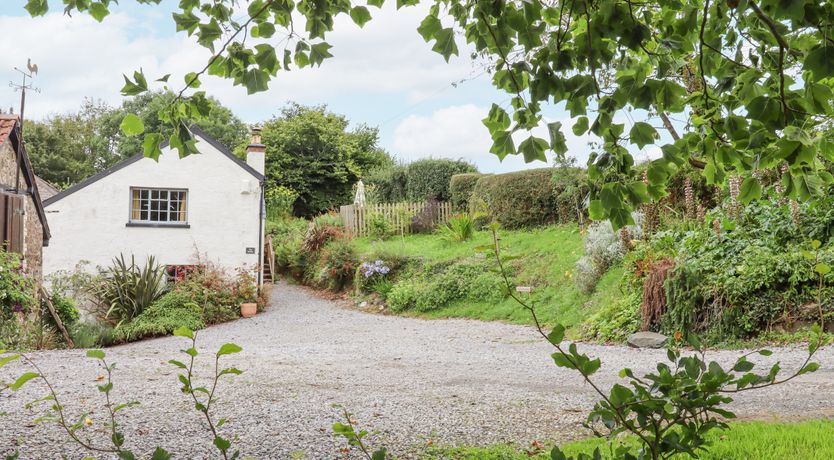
{"x": 261, "y": 216}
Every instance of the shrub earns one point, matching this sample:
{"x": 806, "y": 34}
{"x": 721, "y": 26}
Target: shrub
{"x": 404, "y": 295}
{"x": 279, "y": 202}
{"x": 390, "y": 183}
{"x": 378, "y": 226}
{"x": 17, "y": 290}
{"x": 570, "y": 190}
{"x": 336, "y": 265}
{"x": 92, "y": 335}
{"x": 429, "y": 179}
{"x": 65, "y": 308}
{"x": 603, "y": 249}
{"x": 461, "y": 187}
{"x": 520, "y": 199}
{"x": 211, "y": 288}
{"x": 319, "y": 232}
{"x": 128, "y": 289}
{"x": 458, "y": 229}
{"x": 441, "y": 285}
{"x": 171, "y": 312}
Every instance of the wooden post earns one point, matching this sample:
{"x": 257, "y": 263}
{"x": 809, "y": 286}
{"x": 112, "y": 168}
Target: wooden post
{"x": 48, "y": 301}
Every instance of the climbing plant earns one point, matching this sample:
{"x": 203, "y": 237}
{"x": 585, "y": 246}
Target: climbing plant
{"x": 748, "y": 81}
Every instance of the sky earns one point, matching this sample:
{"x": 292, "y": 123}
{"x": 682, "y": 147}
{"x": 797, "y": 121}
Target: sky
{"x": 383, "y": 75}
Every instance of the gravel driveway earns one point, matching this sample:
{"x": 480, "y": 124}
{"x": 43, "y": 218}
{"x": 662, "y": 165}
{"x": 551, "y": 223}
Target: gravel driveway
{"x": 415, "y": 381}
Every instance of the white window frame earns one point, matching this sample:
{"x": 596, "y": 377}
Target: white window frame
{"x": 167, "y": 207}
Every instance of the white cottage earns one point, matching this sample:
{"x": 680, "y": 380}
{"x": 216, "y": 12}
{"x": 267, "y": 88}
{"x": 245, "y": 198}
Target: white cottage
{"x": 207, "y": 206}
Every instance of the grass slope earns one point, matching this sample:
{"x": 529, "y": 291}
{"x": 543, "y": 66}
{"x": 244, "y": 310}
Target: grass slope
{"x": 809, "y": 440}
{"x": 547, "y": 257}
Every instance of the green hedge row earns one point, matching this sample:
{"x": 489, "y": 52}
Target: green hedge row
{"x": 518, "y": 199}
{"x": 421, "y": 180}
{"x": 460, "y": 190}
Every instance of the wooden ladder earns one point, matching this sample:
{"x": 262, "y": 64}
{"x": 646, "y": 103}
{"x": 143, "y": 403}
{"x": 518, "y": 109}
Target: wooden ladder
{"x": 269, "y": 261}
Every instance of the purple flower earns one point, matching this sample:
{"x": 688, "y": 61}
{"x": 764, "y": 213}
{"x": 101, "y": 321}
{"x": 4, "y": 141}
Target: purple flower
{"x": 374, "y": 268}
{"x": 17, "y": 307}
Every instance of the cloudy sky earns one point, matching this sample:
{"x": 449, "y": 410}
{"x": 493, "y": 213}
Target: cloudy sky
{"x": 383, "y": 75}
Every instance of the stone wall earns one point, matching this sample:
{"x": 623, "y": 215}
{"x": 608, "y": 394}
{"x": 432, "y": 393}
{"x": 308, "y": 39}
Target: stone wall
{"x": 32, "y": 227}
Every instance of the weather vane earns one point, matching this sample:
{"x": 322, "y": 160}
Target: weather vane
{"x": 28, "y": 76}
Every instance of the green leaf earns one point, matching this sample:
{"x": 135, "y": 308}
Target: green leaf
{"x": 319, "y": 52}
{"x": 360, "y": 15}
{"x": 132, "y": 125}
{"x": 533, "y": 149}
{"x": 557, "y": 334}
{"x": 429, "y": 27}
{"x": 222, "y": 444}
{"x": 186, "y": 22}
{"x": 138, "y": 86}
{"x": 256, "y": 80}
{"x": 208, "y": 34}
{"x": 502, "y": 144}
{"x": 266, "y": 58}
{"x": 228, "y": 349}
{"x": 445, "y": 44}
{"x": 37, "y": 7}
{"x": 179, "y": 364}
{"x": 151, "y": 145}
{"x": 822, "y": 268}
{"x": 99, "y": 11}
{"x": 7, "y": 359}
{"x": 557, "y": 138}
{"x": 96, "y": 354}
{"x": 160, "y": 454}
{"x": 497, "y": 120}
{"x": 643, "y": 134}
{"x": 23, "y": 379}
{"x": 376, "y": 3}
{"x": 820, "y": 62}
{"x": 750, "y": 190}
{"x": 184, "y": 332}
{"x": 192, "y": 80}
{"x": 581, "y": 126}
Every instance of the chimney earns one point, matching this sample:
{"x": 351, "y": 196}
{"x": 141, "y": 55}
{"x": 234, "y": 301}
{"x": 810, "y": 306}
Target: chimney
{"x": 256, "y": 152}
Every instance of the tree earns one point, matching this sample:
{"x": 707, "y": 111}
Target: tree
{"x": 65, "y": 149}
{"x": 220, "y": 123}
{"x": 311, "y": 151}
{"x": 752, "y": 80}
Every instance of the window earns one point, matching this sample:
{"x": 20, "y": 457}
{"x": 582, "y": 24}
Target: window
{"x": 158, "y": 206}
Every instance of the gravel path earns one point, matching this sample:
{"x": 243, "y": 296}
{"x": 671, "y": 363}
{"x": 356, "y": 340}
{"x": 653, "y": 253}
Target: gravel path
{"x": 415, "y": 381}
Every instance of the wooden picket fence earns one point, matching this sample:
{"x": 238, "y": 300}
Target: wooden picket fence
{"x": 355, "y": 218}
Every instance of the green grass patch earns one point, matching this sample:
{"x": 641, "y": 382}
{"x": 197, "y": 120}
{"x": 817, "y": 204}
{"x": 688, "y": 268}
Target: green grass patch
{"x": 808, "y": 440}
{"x": 547, "y": 257}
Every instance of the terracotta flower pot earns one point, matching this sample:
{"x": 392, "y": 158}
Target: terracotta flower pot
{"x": 248, "y": 310}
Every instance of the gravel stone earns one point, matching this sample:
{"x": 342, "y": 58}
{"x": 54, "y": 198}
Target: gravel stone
{"x": 411, "y": 382}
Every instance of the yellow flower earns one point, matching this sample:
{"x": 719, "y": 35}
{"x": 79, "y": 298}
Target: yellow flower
{"x": 88, "y": 421}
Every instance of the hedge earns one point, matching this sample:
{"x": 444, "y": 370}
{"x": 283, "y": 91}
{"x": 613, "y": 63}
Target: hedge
{"x": 389, "y": 184}
{"x": 460, "y": 190}
{"x": 518, "y": 199}
{"x": 429, "y": 179}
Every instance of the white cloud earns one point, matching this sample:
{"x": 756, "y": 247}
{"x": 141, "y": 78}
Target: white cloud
{"x": 457, "y": 132}
{"x": 79, "y": 58}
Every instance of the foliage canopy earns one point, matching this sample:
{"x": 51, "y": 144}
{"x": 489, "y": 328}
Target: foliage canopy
{"x": 752, "y": 79}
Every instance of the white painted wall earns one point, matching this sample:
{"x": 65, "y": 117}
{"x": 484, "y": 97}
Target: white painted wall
{"x": 223, "y": 214}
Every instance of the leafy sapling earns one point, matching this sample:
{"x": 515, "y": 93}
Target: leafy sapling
{"x": 348, "y": 430}
{"x": 204, "y": 397}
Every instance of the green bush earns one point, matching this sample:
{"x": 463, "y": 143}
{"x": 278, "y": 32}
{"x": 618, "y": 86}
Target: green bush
{"x": 520, "y": 199}
{"x": 65, "y": 308}
{"x": 389, "y": 184}
{"x": 170, "y": 312}
{"x": 92, "y": 335}
{"x": 570, "y": 190}
{"x": 336, "y": 265}
{"x": 458, "y": 229}
{"x": 213, "y": 289}
{"x": 429, "y": 179}
{"x": 438, "y": 286}
{"x": 461, "y": 187}
{"x": 127, "y": 289}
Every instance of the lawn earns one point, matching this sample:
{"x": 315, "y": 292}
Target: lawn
{"x": 546, "y": 260}
{"x": 808, "y": 440}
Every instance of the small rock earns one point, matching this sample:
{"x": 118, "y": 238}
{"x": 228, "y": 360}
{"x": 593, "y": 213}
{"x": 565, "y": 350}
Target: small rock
{"x": 363, "y": 305}
{"x": 646, "y": 340}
